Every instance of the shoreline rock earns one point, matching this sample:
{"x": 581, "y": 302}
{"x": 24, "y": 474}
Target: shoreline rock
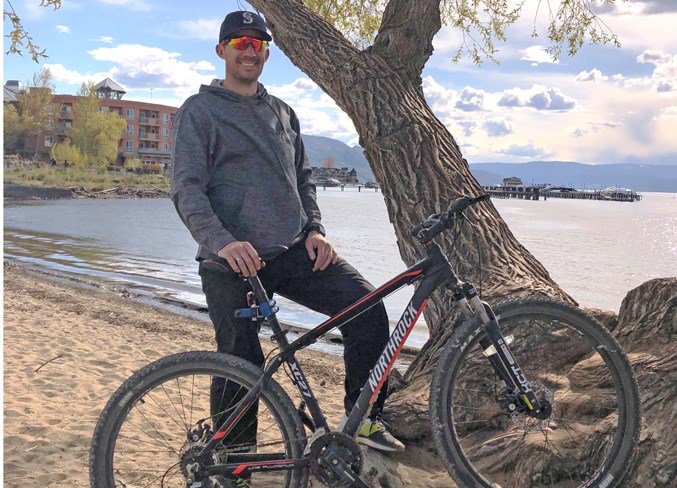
{"x": 25, "y": 192}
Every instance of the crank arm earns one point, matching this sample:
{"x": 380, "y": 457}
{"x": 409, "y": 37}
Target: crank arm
{"x": 345, "y": 471}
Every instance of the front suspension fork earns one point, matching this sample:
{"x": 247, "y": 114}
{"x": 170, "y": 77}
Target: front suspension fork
{"x": 496, "y": 348}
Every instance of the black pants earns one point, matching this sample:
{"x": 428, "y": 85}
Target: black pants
{"x": 327, "y": 292}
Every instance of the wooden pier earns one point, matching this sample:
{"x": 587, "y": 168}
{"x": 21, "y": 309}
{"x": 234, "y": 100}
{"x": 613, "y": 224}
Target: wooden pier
{"x": 617, "y": 196}
{"x": 523, "y": 192}
{"x": 538, "y": 192}
{"x": 349, "y": 187}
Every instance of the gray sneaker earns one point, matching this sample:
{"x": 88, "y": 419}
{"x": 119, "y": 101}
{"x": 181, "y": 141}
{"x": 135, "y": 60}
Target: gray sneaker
{"x": 374, "y": 433}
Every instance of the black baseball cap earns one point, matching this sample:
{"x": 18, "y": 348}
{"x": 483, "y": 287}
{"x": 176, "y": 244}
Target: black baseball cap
{"x": 243, "y": 19}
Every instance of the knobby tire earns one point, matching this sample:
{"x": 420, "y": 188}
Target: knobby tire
{"x": 589, "y": 439}
{"x": 141, "y": 436}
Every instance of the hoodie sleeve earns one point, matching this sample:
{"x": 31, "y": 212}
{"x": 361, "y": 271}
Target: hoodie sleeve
{"x": 192, "y": 140}
{"x": 306, "y": 188}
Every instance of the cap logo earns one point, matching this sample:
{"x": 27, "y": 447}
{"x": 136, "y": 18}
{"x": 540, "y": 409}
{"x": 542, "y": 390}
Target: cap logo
{"x": 247, "y": 18}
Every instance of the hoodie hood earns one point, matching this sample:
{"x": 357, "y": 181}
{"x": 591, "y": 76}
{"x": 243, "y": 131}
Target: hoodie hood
{"x": 216, "y": 87}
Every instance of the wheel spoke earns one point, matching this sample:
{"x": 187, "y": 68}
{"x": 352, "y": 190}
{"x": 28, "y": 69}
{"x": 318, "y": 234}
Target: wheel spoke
{"x": 163, "y": 428}
{"x": 566, "y": 370}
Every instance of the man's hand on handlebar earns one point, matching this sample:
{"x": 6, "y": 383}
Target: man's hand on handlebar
{"x": 242, "y": 258}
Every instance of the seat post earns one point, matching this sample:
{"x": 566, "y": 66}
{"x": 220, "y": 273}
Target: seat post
{"x": 261, "y": 296}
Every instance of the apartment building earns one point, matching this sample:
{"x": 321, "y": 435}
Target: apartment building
{"x": 147, "y": 136}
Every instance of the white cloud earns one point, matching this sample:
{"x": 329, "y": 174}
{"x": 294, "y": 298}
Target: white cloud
{"x": 62, "y": 74}
{"x": 439, "y": 98}
{"x": 600, "y": 107}
{"x": 539, "y": 97}
{"x": 658, "y": 6}
{"x": 469, "y": 127}
{"x": 318, "y": 113}
{"x": 143, "y": 67}
{"x": 135, "y": 5}
{"x": 594, "y": 76}
{"x": 296, "y": 90}
{"x": 497, "y": 128}
{"x": 527, "y": 150}
{"x": 447, "y": 41}
{"x": 636, "y": 30}
{"x": 537, "y": 55}
{"x": 105, "y": 39}
{"x": 63, "y": 29}
{"x": 664, "y": 76}
{"x": 470, "y": 100}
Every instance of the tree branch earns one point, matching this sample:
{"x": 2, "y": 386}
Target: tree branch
{"x": 405, "y": 39}
{"x": 19, "y": 37}
{"x": 302, "y": 34}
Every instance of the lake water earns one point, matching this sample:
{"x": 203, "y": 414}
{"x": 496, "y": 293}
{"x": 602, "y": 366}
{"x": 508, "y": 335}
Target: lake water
{"x": 596, "y": 250}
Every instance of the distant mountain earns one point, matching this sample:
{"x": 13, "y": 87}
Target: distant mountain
{"x": 319, "y": 148}
{"x": 638, "y": 177}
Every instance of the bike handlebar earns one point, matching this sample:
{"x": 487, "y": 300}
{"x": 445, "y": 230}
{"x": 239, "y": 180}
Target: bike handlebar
{"x": 434, "y": 224}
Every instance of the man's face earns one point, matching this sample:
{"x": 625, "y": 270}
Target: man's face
{"x": 243, "y": 66}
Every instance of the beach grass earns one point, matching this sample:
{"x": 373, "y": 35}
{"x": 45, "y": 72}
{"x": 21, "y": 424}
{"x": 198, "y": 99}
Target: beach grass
{"x": 87, "y": 179}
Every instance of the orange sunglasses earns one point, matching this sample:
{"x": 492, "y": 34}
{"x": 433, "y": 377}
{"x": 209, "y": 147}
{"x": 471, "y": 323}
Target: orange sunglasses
{"x": 242, "y": 43}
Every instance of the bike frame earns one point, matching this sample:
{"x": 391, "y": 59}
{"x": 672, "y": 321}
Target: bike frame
{"x": 432, "y": 272}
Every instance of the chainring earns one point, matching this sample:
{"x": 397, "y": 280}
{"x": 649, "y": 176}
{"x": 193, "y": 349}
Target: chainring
{"x": 339, "y": 444}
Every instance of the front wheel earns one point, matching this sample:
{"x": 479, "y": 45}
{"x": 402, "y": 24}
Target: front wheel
{"x": 159, "y": 419}
{"x": 572, "y": 363}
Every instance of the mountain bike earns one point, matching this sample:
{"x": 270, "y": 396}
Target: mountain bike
{"x": 546, "y": 398}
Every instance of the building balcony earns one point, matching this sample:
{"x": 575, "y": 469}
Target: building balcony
{"x": 149, "y": 120}
{"x": 151, "y": 150}
{"x": 149, "y": 136}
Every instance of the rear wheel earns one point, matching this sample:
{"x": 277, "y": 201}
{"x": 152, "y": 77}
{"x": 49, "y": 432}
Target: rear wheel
{"x": 159, "y": 419}
{"x": 574, "y": 364}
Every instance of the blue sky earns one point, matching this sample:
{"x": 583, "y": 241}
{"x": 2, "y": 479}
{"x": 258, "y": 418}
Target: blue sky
{"x": 606, "y": 105}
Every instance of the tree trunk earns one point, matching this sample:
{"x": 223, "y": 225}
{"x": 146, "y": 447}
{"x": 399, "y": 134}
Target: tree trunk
{"x": 417, "y": 163}
{"x": 413, "y": 156}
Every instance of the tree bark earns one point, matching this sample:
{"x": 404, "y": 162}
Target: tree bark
{"x": 415, "y": 159}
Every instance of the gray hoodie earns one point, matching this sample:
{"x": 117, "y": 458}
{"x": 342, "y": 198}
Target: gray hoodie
{"x": 240, "y": 170}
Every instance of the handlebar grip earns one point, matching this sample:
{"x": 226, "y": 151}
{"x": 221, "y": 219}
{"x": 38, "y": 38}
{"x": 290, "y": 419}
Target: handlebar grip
{"x": 439, "y": 221}
{"x": 460, "y": 204}
{"x": 414, "y": 232}
{"x": 479, "y": 199}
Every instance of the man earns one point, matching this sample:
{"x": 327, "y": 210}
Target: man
{"x": 241, "y": 183}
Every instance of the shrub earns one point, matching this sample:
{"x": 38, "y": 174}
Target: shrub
{"x": 133, "y": 163}
{"x": 64, "y": 151}
{"x": 156, "y": 168}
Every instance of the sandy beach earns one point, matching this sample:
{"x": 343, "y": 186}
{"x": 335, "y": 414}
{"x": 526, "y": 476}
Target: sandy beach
{"x": 69, "y": 345}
